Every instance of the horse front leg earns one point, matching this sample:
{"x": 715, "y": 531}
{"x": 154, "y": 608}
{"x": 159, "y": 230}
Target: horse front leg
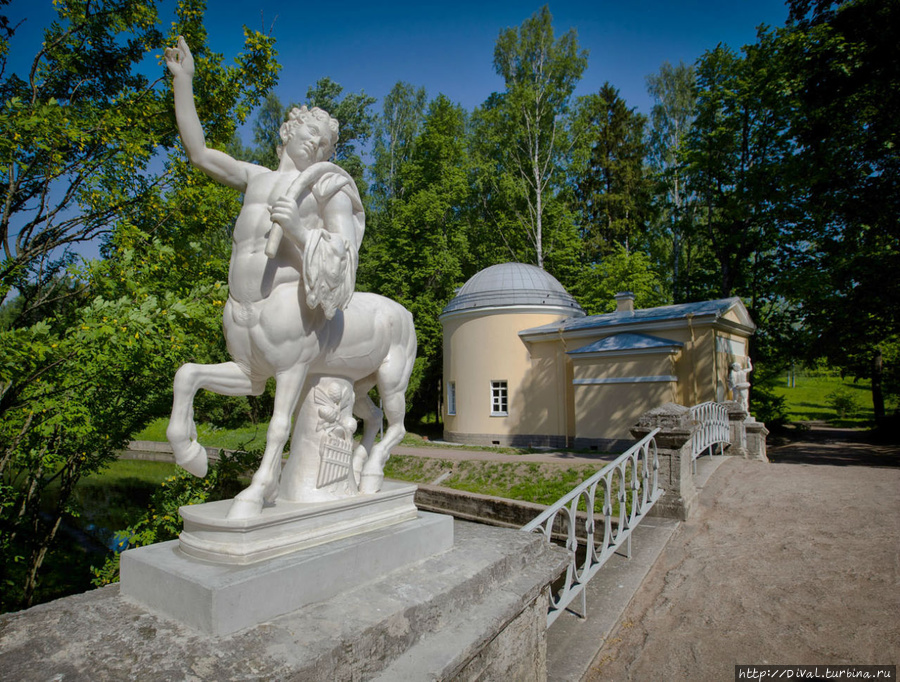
{"x": 226, "y": 378}
{"x": 264, "y": 485}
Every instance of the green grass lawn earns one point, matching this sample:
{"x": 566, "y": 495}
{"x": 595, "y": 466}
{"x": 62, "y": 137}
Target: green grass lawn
{"x": 254, "y": 437}
{"x": 813, "y": 397}
{"x": 251, "y": 437}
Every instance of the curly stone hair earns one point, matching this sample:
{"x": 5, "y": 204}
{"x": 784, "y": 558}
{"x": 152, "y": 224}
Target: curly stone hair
{"x": 327, "y": 126}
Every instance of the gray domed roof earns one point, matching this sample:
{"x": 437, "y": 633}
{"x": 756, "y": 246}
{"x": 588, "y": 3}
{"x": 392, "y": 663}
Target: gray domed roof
{"x": 512, "y": 284}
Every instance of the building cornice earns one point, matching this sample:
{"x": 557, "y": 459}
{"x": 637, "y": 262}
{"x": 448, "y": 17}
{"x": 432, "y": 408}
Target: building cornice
{"x": 708, "y": 320}
{"x": 660, "y": 378}
{"x": 660, "y": 350}
{"x": 537, "y": 309}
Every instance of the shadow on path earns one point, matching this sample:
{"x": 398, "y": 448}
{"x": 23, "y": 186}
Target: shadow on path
{"x": 822, "y": 444}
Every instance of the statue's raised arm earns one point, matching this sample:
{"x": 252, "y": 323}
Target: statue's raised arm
{"x": 218, "y": 165}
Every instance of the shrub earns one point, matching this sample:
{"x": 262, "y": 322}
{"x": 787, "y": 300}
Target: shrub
{"x": 842, "y": 401}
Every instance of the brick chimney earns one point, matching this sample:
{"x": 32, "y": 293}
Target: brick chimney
{"x": 625, "y": 302}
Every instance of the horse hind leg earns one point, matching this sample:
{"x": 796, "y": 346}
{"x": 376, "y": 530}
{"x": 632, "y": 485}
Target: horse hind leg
{"x": 365, "y": 409}
{"x": 392, "y": 378}
{"x": 373, "y": 471}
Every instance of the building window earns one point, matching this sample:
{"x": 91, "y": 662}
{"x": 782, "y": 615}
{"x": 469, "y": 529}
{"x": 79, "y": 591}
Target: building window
{"x": 451, "y": 397}
{"x": 499, "y": 399}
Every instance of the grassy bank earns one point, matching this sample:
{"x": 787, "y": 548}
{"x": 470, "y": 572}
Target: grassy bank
{"x": 537, "y": 482}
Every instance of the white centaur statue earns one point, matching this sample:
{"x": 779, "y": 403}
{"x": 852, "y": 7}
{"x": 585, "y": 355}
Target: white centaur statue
{"x": 739, "y": 383}
{"x": 291, "y": 312}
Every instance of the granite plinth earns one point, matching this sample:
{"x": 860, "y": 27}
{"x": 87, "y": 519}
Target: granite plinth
{"x": 219, "y": 599}
{"x": 288, "y": 527}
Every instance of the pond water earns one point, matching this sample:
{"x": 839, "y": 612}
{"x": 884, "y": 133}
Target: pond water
{"x": 103, "y": 505}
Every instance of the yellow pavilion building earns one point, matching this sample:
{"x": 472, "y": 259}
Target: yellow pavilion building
{"x": 524, "y": 366}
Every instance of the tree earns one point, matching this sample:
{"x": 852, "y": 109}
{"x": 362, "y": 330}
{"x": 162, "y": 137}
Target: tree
{"x": 422, "y": 248}
{"x": 671, "y": 117}
{"x": 620, "y": 270}
{"x": 612, "y": 191}
{"x": 522, "y": 132}
{"x": 87, "y": 355}
{"x": 738, "y": 154}
{"x": 398, "y": 126}
{"x": 846, "y": 255}
{"x": 266, "y": 127}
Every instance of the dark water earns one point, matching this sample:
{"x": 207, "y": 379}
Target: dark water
{"x": 101, "y": 509}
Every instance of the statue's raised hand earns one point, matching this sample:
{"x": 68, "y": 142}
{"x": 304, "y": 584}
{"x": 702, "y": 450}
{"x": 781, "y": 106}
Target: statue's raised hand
{"x": 179, "y": 59}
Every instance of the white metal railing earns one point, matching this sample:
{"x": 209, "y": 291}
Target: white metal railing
{"x": 710, "y": 428}
{"x": 631, "y": 480}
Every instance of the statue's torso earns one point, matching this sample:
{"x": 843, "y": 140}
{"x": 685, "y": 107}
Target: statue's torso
{"x": 252, "y": 275}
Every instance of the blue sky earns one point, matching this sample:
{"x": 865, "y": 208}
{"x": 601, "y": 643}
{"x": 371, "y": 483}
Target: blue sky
{"x": 448, "y": 47}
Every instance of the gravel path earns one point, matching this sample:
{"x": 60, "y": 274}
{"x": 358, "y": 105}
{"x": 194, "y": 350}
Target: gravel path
{"x": 792, "y": 562}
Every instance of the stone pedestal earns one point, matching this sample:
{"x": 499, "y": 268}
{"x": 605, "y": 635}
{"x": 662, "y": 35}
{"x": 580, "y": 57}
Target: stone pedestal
{"x": 219, "y": 599}
{"x": 674, "y": 450}
{"x": 290, "y": 526}
{"x": 476, "y": 611}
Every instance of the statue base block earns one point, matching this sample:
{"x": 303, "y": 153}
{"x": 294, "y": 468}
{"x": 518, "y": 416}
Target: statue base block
{"x": 219, "y": 599}
{"x": 290, "y": 526}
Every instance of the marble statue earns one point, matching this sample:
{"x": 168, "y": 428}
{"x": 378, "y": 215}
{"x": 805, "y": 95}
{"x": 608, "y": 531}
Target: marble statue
{"x": 292, "y": 314}
{"x": 739, "y": 383}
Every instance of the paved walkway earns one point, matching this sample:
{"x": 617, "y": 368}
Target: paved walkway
{"x": 792, "y": 562}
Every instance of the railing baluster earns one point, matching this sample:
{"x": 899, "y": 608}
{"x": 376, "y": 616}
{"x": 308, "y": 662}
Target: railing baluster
{"x": 635, "y": 471}
{"x": 641, "y": 458}
{"x": 711, "y": 420}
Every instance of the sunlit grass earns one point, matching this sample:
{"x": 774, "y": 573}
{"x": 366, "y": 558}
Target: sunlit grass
{"x": 250, "y": 437}
{"x": 808, "y": 399}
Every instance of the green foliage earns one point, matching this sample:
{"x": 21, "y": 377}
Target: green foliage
{"x": 356, "y": 123}
{"x": 87, "y": 351}
{"x": 397, "y": 128}
{"x": 807, "y": 399}
{"x": 613, "y": 192}
{"x": 674, "y": 108}
{"x": 531, "y": 482}
{"x": 736, "y": 152}
{"x": 162, "y": 522}
{"x": 420, "y": 249}
{"x": 245, "y": 437}
{"x": 522, "y": 141}
{"x": 843, "y": 402}
{"x": 620, "y": 271}
{"x": 848, "y": 257}
{"x": 266, "y": 127}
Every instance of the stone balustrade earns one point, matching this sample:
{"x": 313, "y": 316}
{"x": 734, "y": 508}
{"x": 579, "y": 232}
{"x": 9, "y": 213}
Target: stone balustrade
{"x": 747, "y": 440}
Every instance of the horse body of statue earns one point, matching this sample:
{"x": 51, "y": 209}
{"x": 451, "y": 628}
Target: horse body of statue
{"x": 291, "y": 311}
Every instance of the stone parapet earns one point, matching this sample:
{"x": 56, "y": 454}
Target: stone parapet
{"x": 737, "y": 416}
{"x": 747, "y": 439}
{"x": 477, "y": 611}
{"x": 756, "y": 433}
{"x": 673, "y": 444}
